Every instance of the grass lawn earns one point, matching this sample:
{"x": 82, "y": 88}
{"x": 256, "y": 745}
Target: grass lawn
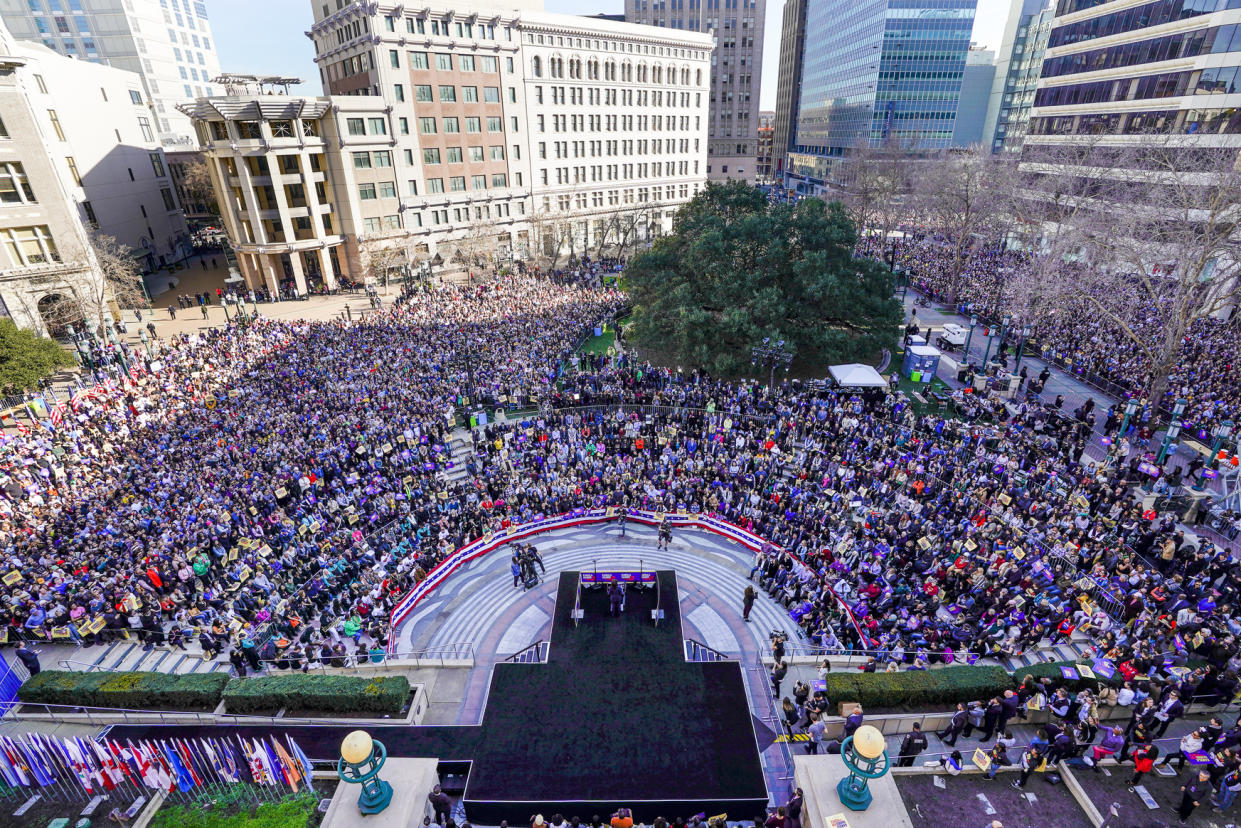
{"x": 599, "y": 344}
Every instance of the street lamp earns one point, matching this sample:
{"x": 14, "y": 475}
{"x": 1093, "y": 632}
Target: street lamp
{"x": 1221, "y": 433}
{"x": 1131, "y": 408}
{"x": 224, "y": 303}
{"x": 1021, "y": 346}
{"x": 987, "y": 356}
{"x": 970, "y": 338}
{"x": 146, "y": 341}
{"x": 1172, "y": 432}
{"x": 769, "y": 356}
{"x": 110, "y": 330}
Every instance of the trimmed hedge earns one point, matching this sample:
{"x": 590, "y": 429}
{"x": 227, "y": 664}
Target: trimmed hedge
{"x": 132, "y": 691}
{"x": 918, "y": 688}
{"x": 302, "y": 691}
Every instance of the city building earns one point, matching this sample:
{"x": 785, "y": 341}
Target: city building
{"x": 1017, "y": 71}
{"x": 167, "y": 42}
{"x": 766, "y": 128}
{"x": 46, "y": 257}
{"x": 1113, "y": 71}
{"x": 197, "y": 201}
{"x": 100, "y": 134}
{"x": 976, "y": 84}
{"x": 298, "y": 180}
{"x": 736, "y": 73}
{"x": 788, "y": 85}
{"x": 468, "y": 135}
{"x": 876, "y": 72}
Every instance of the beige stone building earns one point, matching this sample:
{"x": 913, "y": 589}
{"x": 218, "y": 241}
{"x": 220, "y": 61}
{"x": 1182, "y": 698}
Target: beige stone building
{"x": 45, "y": 255}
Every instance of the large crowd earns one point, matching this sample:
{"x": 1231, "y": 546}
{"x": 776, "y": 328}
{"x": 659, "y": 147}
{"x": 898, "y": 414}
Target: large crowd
{"x": 275, "y": 488}
{"x": 1067, "y": 332}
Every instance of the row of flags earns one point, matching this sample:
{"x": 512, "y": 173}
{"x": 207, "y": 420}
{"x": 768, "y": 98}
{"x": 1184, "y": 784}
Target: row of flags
{"x": 38, "y": 760}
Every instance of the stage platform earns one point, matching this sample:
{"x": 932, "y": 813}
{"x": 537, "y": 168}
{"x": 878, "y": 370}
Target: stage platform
{"x": 615, "y": 717}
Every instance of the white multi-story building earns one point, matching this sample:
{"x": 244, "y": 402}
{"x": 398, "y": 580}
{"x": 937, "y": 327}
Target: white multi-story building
{"x": 618, "y": 116}
{"x": 99, "y": 132}
{"x": 522, "y": 130}
{"x": 167, "y": 42}
{"x": 45, "y": 253}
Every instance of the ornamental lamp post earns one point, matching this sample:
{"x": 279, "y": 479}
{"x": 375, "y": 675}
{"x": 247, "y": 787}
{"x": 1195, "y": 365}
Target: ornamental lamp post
{"x": 361, "y": 757}
{"x": 224, "y": 304}
{"x": 1131, "y": 408}
{"x": 1221, "y": 433}
{"x": 970, "y": 337}
{"x": 769, "y": 356}
{"x": 146, "y": 341}
{"x": 864, "y": 755}
{"x": 1021, "y": 345}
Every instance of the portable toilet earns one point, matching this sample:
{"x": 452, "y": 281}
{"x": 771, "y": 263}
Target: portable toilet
{"x": 921, "y": 363}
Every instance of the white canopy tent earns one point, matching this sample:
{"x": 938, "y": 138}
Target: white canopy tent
{"x": 857, "y": 375}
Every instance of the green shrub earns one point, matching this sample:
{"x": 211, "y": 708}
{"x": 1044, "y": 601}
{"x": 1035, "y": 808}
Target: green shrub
{"x": 133, "y": 691}
{"x": 301, "y": 691}
{"x": 918, "y": 688}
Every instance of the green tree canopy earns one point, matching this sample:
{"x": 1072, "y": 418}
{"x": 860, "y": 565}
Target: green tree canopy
{"x": 737, "y": 268}
{"x": 26, "y": 358}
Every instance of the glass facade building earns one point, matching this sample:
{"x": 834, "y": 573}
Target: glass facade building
{"x": 876, "y": 71}
{"x": 1165, "y": 66}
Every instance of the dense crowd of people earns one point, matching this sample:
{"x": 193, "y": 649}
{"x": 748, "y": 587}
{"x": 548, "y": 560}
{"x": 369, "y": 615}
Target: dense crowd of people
{"x": 1068, "y": 333}
{"x": 274, "y": 488}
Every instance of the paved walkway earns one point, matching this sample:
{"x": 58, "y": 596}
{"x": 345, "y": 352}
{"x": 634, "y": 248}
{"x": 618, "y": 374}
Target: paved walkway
{"x": 1075, "y": 392}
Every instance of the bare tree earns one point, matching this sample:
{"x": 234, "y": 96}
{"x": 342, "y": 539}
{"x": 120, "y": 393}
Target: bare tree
{"x": 876, "y": 185}
{"x": 957, "y": 194}
{"x": 198, "y": 187}
{"x": 384, "y": 260}
{"x": 1160, "y": 240}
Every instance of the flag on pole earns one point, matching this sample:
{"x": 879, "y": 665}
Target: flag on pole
{"x": 79, "y": 769}
{"x": 159, "y": 767}
{"x": 112, "y": 775}
{"x": 291, "y": 772}
{"x": 34, "y": 762}
{"x": 187, "y": 759}
{"x": 302, "y": 758}
{"x": 91, "y": 762}
{"x": 7, "y": 771}
{"x": 184, "y": 781}
{"x": 273, "y": 762}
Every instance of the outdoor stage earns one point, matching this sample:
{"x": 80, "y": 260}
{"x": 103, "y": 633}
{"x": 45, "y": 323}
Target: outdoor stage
{"x": 615, "y": 717}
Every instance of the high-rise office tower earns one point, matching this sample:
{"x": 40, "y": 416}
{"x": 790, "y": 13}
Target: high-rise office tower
{"x": 736, "y": 72}
{"x": 167, "y": 42}
{"x": 788, "y": 85}
{"x": 1118, "y": 69}
{"x": 1017, "y": 71}
{"x": 877, "y": 72}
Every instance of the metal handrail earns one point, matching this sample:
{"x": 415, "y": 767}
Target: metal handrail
{"x": 697, "y": 651}
{"x": 536, "y": 653}
{"x": 65, "y": 662}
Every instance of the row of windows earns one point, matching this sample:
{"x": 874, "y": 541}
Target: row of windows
{"x": 597, "y": 198}
{"x": 613, "y": 172}
{"x": 448, "y": 94}
{"x": 452, "y": 125}
{"x": 444, "y": 28}
{"x": 456, "y": 183}
{"x": 444, "y": 62}
{"x": 1136, "y": 17}
{"x": 575, "y": 96}
{"x": 29, "y": 245}
{"x": 1224, "y": 120}
{"x": 454, "y": 155}
{"x": 1170, "y": 47}
{"x": 593, "y": 149}
{"x": 1219, "y": 80}
{"x": 593, "y": 70}
{"x": 657, "y": 123}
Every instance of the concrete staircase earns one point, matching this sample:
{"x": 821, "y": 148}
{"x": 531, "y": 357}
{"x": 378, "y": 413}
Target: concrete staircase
{"x": 460, "y": 449}
{"x": 122, "y": 656}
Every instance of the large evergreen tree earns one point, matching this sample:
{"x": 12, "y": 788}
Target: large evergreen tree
{"x": 26, "y": 359}
{"x": 737, "y": 269}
